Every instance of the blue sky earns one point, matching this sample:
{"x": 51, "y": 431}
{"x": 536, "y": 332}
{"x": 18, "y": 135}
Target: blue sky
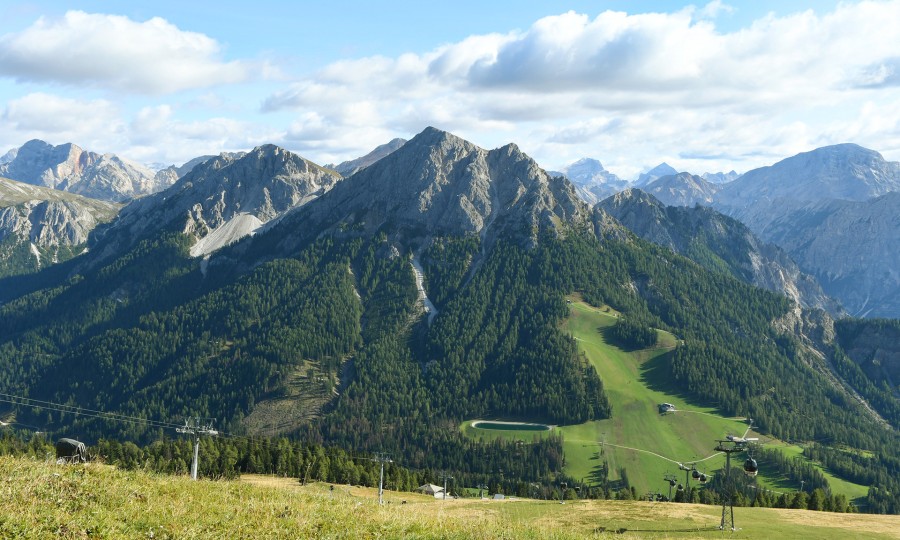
{"x": 706, "y": 87}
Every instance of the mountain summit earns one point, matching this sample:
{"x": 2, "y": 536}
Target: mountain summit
{"x": 592, "y": 181}
{"x": 68, "y": 167}
{"x": 438, "y": 183}
{"x": 842, "y": 171}
{"x": 223, "y": 199}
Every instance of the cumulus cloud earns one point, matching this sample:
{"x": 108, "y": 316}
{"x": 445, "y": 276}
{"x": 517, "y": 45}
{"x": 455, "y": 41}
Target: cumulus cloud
{"x": 111, "y": 51}
{"x": 668, "y": 85}
{"x": 50, "y": 117}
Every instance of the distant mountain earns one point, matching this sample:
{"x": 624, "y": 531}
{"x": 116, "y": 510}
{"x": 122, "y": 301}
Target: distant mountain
{"x": 221, "y": 200}
{"x": 592, "y": 181}
{"x": 850, "y": 246}
{"x": 350, "y": 167}
{"x": 42, "y": 226}
{"x": 834, "y": 211}
{"x": 682, "y": 189}
{"x": 719, "y": 243}
{"x": 843, "y": 171}
{"x": 663, "y": 169}
{"x": 9, "y": 156}
{"x": 68, "y": 167}
{"x": 720, "y": 177}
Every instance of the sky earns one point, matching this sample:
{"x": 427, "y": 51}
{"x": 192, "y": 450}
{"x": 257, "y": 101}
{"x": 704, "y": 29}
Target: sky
{"x": 705, "y": 87}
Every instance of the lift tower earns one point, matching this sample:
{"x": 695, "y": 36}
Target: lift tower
{"x": 195, "y": 427}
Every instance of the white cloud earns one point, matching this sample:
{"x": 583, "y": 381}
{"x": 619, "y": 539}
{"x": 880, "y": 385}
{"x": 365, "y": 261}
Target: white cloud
{"x": 111, "y": 51}
{"x": 157, "y": 134}
{"x": 643, "y": 87}
{"x": 55, "y": 118}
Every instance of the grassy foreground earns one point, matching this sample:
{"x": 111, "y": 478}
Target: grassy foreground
{"x": 44, "y": 500}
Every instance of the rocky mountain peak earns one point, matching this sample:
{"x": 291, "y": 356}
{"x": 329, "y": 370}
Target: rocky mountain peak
{"x": 842, "y": 171}
{"x": 40, "y": 226}
{"x": 663, "y": 169}
{"x": 438, "y": 184}
{"x": 592, "y": 181}
{"x": 224, "y": 199}
{"x": 68, "y": 167}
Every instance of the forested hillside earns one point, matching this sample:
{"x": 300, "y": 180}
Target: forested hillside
{"x": 329, "y": 318}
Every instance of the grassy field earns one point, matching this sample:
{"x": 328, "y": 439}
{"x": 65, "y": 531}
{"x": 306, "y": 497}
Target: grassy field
{"x": 45, "y": 500}
{"x": 637, "y": 438}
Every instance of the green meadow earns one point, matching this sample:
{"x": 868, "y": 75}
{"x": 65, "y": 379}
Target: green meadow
{"x": 646, "y": 444}
{"x": 45, "y": 500}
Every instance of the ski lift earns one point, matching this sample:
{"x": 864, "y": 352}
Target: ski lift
{"x": 695, "y": 474}
{"x": 672, "y": 482}
{"x": 680, "y": 487}
{"x": 750, "y": 467}
{"x": 703, "y": 478}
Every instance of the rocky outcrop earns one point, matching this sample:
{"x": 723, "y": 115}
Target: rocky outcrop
{"x": 718, "y": 243}
{"x": 166, "y": 176}
{"x": 720, "y": 177}
{"x": 42, "y": 226}
{"x": 68, "y": 167}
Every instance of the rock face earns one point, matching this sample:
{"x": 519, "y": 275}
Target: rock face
{"x": 166, "y": 176}
{"x": 67, "y": 167}
{"x": 834, "y": 210}
{"x": 251, "y": 188}
{"x": 718, "y": 243}
{"x": 592, "y": 181}
{"x": 851, "y": 247}
{"x": 440, "y": 184}
{"x": 42, "y": 226}
{"x": 350, "y": 167}
{"x": 682, "y": 189}
{"x": 663, "y": 169}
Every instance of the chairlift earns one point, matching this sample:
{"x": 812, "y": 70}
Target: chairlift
{"x": 695, "y": 474}
{"x": 703, "y": 478}
{"x": 750, "y": 467}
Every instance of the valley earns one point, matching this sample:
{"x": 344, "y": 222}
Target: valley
{"x": 638, "y": 439}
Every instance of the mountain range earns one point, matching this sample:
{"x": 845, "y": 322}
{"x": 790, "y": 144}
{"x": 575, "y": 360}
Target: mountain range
{"x": 382, "y": 310}
{"x": 68, "y": 167}
{"x": 592, "y": 181}
{"x": 832, "y": 210}
{"x": 719, "y": 243}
